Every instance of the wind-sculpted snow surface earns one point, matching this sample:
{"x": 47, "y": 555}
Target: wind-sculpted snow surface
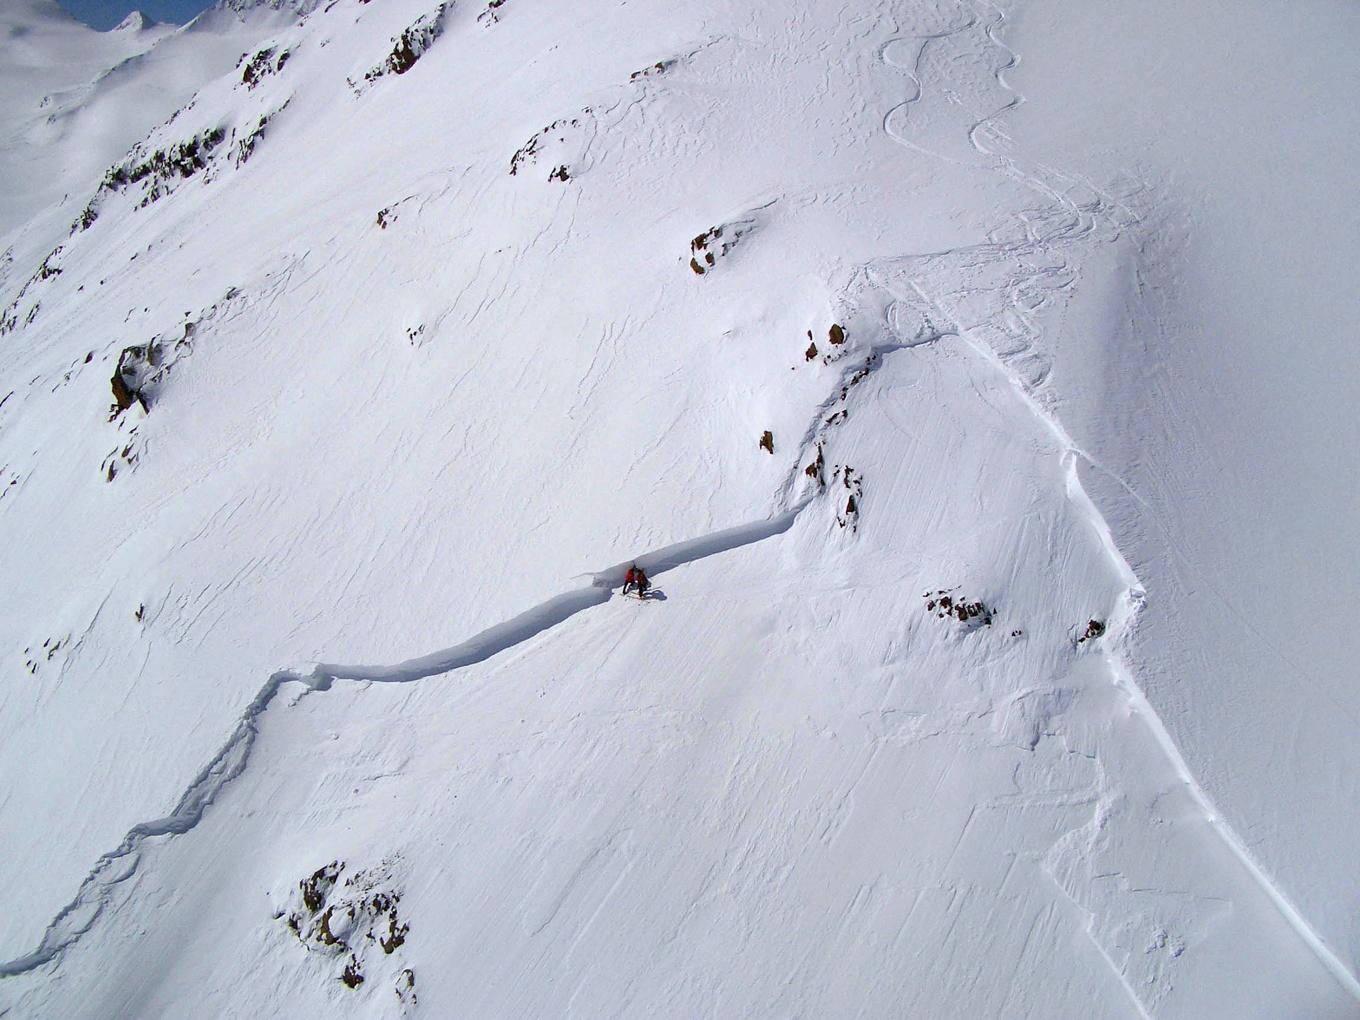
{"x": 76, "y": 100}
{"x": 1218, "y": 474}
{"x": 991, "y": 295}
{"x": 119, "y": 864}
{"x": 583, "y": 283}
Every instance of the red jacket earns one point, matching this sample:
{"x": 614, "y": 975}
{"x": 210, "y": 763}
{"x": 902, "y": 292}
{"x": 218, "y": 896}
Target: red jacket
{"x": 630, "y": 577}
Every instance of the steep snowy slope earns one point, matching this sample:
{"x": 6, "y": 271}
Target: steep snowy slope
{"x": 416, "y": 326}
{"x": 76, "y": 99}
{"x": 1221, "y": 410}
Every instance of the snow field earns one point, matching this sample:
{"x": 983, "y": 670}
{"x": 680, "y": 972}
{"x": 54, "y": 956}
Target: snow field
{"x": 421, "y": 394}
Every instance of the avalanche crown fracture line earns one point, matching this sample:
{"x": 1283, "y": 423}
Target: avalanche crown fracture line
{"x": 119, "y": 864}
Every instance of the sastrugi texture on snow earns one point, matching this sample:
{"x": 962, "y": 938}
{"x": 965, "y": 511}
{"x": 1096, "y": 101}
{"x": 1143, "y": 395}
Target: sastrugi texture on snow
{"x": 960, "y": 386}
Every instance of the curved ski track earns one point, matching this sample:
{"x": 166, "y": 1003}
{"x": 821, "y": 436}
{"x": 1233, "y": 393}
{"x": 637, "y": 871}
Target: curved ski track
{"x": 1015, "y": 275}
{"x": 1030, "y": 268}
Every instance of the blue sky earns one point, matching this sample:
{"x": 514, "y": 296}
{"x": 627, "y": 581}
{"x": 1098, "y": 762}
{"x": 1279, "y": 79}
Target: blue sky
{"x": 104, "y": 14}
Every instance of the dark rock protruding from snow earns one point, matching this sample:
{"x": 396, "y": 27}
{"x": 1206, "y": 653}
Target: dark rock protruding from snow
{"x": 133, "y": 365}
{"x": 300, "y": 8}
{"x": 411, "y": 45}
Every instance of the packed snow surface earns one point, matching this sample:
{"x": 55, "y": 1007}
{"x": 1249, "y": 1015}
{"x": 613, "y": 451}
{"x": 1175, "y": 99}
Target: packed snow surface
{"x": 75, "y": 100}
{"x": 997, "y": 661}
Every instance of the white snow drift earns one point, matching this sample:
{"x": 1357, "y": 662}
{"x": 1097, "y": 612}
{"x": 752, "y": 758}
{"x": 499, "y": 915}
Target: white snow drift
{"x": 418, "y": 322}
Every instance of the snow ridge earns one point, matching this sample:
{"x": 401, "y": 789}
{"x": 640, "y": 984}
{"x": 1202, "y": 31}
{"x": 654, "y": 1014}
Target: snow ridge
{"x": 990, "y": 296}
{"x": 119, "y": 864}
{"x": 1017, "y": 275}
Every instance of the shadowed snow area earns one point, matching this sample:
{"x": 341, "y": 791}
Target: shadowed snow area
{"x": 75, "y": 100}
{"x": 419, "y": 323}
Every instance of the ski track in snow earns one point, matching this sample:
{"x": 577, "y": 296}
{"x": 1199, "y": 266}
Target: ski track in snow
{"x": 1005, "y": 336}
{"x": 119, "y": 864}
{"x": 981, "y": 294}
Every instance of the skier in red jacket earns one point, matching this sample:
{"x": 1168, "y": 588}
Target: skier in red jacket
{"x": 636, "y": 580}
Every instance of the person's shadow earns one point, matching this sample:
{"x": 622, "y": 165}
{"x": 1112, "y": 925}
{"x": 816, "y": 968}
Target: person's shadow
{"x": 654, "y": 595}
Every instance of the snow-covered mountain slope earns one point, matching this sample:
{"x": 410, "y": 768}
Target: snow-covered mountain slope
{"x": 75, "y": 100}
{"x": 1221, "y": 412}
{"x": 421, "y": 323}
